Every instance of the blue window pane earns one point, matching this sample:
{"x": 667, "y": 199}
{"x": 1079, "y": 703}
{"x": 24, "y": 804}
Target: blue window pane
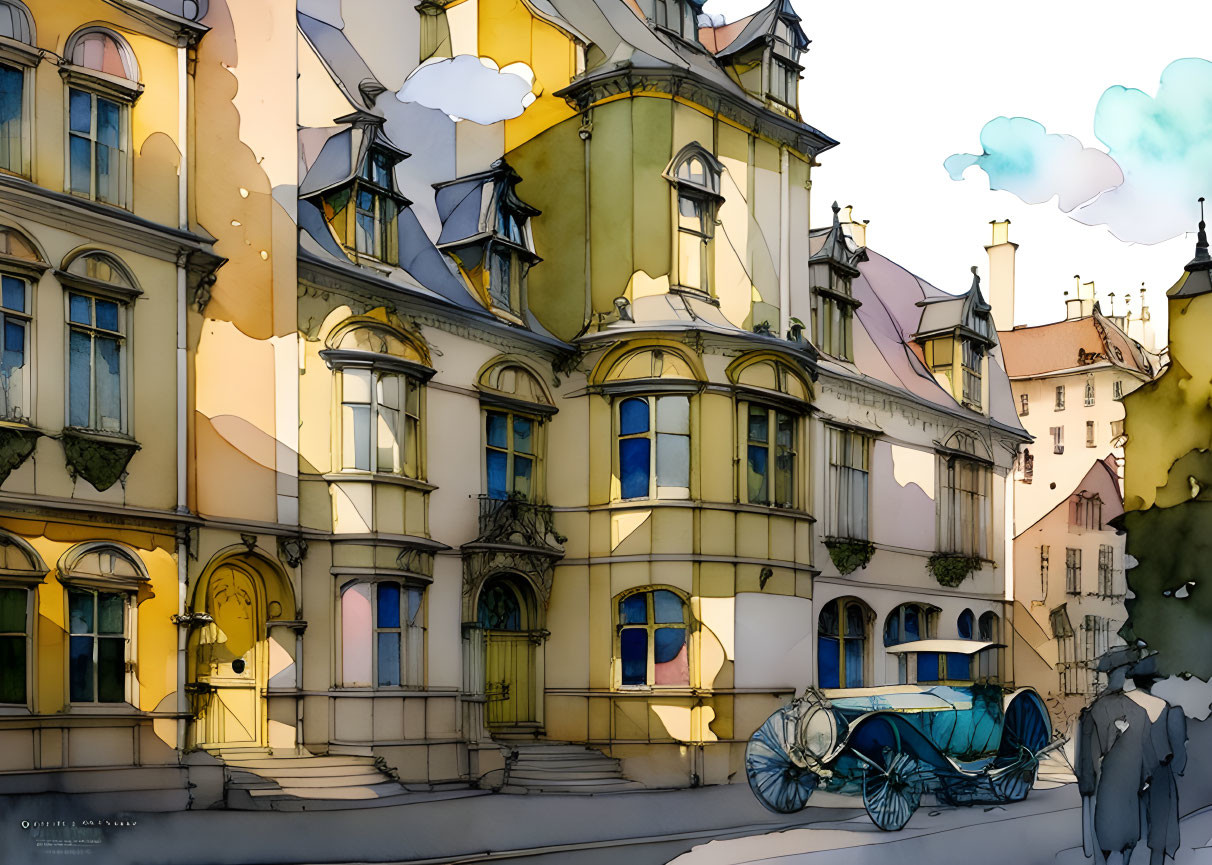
{"x": 80, "y": 111}
{"x": 759, "y": 422}
{"x": 80, "y": 309}
{"x": 913, "y": 629}
{"x": 14, "y": 348}
{"x": 667, "y": 607}
{"x": 827, "y": 667}
{"x": 81, "y": 664}
{"x": 958, "y": 666}
{"x": 496, "y": 429}
{"x": 497, "y": 463}
{"x": 522, "y": 441}
{"x": 389, "y": 605}
{"x": 633, "y": 609}
{"x": 523, "y": 468}
{"x": 633, "y": 416}
{"x": 633, "y": 646}
{"x": 109, "y": 385}
{"x": 854, "y": 663}
{"x": 892, "y": 630}
{"x": 107, "y": 315}
{"x": 80, "y": 611}
{"x": 14, "y": 292}
{"x": 927, "y": 667}
{"x": 11, "y": 81}
{"x": 634, "y": 463}
{"x": 109, "y": 119}
{"x": 667, "y": 643}
{"x": 389, "y": 659}
{"x": 111, "y": 671}
{"x": 759, "y": 488}
{"x": 81, "y": 165}
{"x": 965, "y": 625}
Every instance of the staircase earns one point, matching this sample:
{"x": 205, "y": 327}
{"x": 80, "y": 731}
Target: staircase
{"x": 561, "y": 767}
{"x": 261, "y": 781}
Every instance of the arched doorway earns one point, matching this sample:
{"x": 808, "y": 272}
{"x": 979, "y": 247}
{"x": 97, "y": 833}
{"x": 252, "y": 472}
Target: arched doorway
{"x": 229, "y": 658}
{"x": 505, "y": 613}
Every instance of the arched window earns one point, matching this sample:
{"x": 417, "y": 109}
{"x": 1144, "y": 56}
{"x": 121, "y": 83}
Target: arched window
{"x": 15, "y": 22}
{"x": 841, "y": 658}
{"x": 988, "y": 631}
{"x": 98, "y": 299}
{"x": 380, "y": 383}
{"x": 98, "y": 139}
{"x": 102, "y": 51}
{"x": 100, "y": 580}
{"x": 965, "y": 501}
{"x": 516, "y": 404}
{"x": 652, "y": 645}
{"x": 695, "y": 175}
{"x": 20, "y": 571}
{"x": 964, "y": 625}
{"x": 19, "y": 267}
{"x": 18, "y": 60}
{"x": 909, "y": 622}
{"x": 382, "y": 635}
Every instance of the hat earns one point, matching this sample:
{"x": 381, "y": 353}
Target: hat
{"x": 1145, "y": 668}
{"x": 1113, "y": 659}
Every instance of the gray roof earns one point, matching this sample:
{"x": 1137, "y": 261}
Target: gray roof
{"x": 761, "y": 25}
{"x": 1197, "y": 275}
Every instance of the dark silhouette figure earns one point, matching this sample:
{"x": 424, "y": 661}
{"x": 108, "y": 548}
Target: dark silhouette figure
{"x": 1170, "y": 749}
{"x": 1115, "y": 755}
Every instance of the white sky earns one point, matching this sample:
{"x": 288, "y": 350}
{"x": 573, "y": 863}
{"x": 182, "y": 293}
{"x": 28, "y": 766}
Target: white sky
{"x": 904, "y": 85}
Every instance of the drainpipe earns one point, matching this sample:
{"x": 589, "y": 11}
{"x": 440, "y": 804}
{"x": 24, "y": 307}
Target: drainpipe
{"x": 586, "y": 132}
{"x": 182, "y": 376}
{"x": 784, "y": 243}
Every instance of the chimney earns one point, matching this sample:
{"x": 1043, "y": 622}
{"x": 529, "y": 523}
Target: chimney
{"x": 1001, "y": 275}
{"x": 856, "y": 230}
{"x": 1073, "y": 305}
{"x": 1085, "y": 293}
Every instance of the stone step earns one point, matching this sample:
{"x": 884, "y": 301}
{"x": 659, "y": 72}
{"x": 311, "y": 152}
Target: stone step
{"x": 571, "y": 764}
{"x": 109, "y": 779}
{"x": 361, "y": 791}
{"x": 586, "y": 789}
{"x": 311, "y": 771}
{"x": 330, "y": 782}
{"x": 549, "y": 748}
{"x": 518, "y": 775}
{"x": 298, "y": 762}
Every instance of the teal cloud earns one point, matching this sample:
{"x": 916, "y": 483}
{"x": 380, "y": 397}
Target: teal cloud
{"x": 1159, "y": 146}
{"x": 1021, "y": 157}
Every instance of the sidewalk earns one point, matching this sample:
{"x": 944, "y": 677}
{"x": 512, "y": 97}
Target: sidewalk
{"x": 469, "y": 828}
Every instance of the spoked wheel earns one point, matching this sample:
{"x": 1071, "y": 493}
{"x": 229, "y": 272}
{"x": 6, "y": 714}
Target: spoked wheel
{"x": 891, "y": 793}
{"x": 777, "y": 782}
{"x": 1027, "y": 730}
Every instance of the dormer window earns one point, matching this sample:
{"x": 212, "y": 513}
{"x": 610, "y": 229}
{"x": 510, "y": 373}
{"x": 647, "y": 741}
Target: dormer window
{"x": 679, "y": 17}
{"x": 486, "y": 229}
{"x": 352, "y": 180}
{"x": 956, "y": 334}
{"x": 695, "y": 175}
{"x": 831, "y": 270}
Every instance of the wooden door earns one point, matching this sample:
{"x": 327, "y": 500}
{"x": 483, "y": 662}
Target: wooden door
{"x": 509, "y": 677}
{"x": 229, "y": 661}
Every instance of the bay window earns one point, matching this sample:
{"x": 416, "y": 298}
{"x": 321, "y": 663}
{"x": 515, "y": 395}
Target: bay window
{"x": 652, "y": 647}
{"x": 653, "y": 447}
{"x": 380, "y": 421}
{"x": 382, "y": 635}
{"x": 770, "y": 456}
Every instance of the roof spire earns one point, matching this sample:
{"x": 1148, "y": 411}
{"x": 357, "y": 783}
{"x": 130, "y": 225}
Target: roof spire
{"x": 976, "y": 280}
{"x": 836, "y": 209}
{"x": 1202, "y": 260}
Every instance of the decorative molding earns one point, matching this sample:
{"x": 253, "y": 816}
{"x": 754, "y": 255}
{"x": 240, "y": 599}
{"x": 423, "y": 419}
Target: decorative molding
{"x": 98, "y": 458}
{"x": 292, "y": 550}
{"x": 16, "y": 444}
{"x": 516, "y": 537}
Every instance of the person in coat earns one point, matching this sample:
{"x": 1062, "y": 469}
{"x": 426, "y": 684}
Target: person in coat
{"x": 1115, "y": 755}
{"x": 1170, "y": 749}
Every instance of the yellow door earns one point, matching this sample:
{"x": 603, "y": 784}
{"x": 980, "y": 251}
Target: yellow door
{"x": 509, "y": 677}
{"x": 228, "y": 667}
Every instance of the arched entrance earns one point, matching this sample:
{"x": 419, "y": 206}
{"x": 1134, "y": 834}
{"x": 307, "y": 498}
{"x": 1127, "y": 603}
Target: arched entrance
{"x": 506, "y": 613}
{"x": 228, "y": 659}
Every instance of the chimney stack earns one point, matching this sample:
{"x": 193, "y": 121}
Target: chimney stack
{"x": 1001, "y": 275}
{"x": 1073, "y": 305}
{"x": 856, "y": 230}
{"x": 1085, "y": 293}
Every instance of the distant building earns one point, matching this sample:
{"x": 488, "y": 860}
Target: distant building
{"x": 1068, "y": 378}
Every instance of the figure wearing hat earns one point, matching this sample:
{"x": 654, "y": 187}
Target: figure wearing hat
{"x": 1169, "y": 729}
{"x": 1115, "y": 760}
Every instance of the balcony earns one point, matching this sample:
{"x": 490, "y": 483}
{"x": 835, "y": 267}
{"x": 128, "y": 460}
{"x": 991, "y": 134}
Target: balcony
{"x": 515, "y": 522}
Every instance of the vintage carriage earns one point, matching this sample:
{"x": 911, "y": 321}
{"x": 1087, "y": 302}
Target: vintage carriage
{"x": 967, "y": 741}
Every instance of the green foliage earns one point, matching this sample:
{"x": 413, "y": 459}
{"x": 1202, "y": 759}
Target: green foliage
{"x": 16, "y": 443}
{"x": 951, "y": 569}
{"x": 100, "y": 460}
{"x": 848, "y": 554}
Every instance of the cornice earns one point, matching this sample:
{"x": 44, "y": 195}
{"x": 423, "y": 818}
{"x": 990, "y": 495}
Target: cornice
{"x": 585, "y": 93}
{"x": 23, "y": 201}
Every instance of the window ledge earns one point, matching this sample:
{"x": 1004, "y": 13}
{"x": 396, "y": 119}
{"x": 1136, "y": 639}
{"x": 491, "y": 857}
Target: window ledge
{"x": 113, "y": 86}
{"x": 340, "y": 358}
{"x": 21, "y": 53}
{"x": 378, "y": 477}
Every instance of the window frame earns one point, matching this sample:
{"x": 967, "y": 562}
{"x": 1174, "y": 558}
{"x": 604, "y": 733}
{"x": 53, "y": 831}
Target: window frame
{"x": 27, "y": 638}
{"x": 26, "y": 320}
{"x": 1058, "y": 439}
{"x": 1106, "y": 571}
{"x": 1060, "y": 398}
{"x": 705, "y": 196}
{"x": 1073, "y": 570}
{"x": 124, "y": 182}
{"x": 651, "y": 434}
{"x": 122, "y": 337}
{"x": 850, "y": 440}
{"x": 1117, "y": 389}
{"x": 408, "y": 665}
{"x": 781, "y": 69}
{"x": 535, "y": 456}
{"x": 1088, "y": 393}
{"x": 843, "y": 603}
{"x": 129, "y": 632}
{"x": 927, "y": 622}
{"x": 773, "y": 452}
{"x": 1045, "y": 551}
{"x": 1089, "y": 433}
{"x": 650, "y": 627}
{"x": 408, "y": 429}
{"x": 974, "y": 540}
{"x": 1025, "y": 407}
{"x": 22, "y": 59}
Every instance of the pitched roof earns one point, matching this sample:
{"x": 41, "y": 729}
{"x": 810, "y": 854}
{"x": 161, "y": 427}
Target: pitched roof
{"x": 1068, "y": 345}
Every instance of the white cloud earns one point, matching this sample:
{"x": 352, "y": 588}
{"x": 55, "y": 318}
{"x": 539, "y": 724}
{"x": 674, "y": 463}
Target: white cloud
{"x": 470, "y": 88}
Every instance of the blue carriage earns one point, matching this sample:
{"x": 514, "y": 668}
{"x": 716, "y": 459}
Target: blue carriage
{"x": 966, "y": 741}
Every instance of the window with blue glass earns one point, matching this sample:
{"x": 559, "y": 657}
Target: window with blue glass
{"x": 959, "y": 666}
{"x": 770, "y": 456}
{"x": 654, "y": 447}
{"x": 375, "y": 218}
{"x": 653, "y": 649}
{"x": 14, "y": 348}
{"x": 907, "y": 623}
{"x": 510, "y": 454}
{"x": 842, "y": 644}
{"x": 382, "y": 635}
{"x": 12, "y": 119}
{"x": 96, "y": 147}
{"x": 96, "y": 345}
{"x": 97, "y": 645}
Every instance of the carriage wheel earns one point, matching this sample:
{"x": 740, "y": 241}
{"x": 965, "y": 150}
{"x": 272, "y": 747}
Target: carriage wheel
{"x": 892, "y": 793}
{"x": 777, "y": 782}
{"x": 1026, "y": 731}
